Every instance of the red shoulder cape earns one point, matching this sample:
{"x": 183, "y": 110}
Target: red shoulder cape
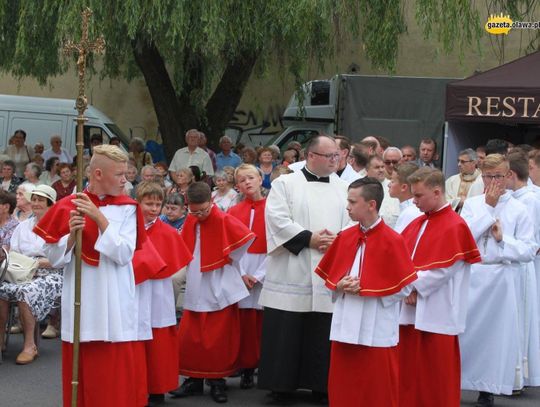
{"x": 220, "y": 235}
{"x": 242, "y": 212}
{"x": 171, "y": 248}
{"x": 446, "y": 240}
{"x": 147, "y": 263}
{"x": 386, "y": 267}
{"x": 55, "y": 224}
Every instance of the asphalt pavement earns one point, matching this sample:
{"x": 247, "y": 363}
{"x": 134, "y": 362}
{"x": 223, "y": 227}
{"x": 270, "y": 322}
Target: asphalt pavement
{"x": 38, "y": 384}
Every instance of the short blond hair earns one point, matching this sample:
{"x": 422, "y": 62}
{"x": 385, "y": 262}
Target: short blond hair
{"x": 111, "y": 152}
{"x": 494, "y": 160}
{"x": 430, "y": 177}
{"x": 248, "y": 168}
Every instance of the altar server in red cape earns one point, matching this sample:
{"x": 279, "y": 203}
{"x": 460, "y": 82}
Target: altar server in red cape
{"x": 109, "y": 323}
{"x": 253, "y": 268}
{"x": 442, "y": 249}
{"x": 369, "y": 269}
{"x": 162, "y": 349}
{"x": 209, "y": 332}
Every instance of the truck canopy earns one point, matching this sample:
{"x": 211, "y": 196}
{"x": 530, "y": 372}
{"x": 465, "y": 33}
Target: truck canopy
{"x": 404, "y": 110}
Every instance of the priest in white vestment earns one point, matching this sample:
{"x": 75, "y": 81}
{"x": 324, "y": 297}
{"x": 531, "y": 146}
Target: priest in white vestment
{"x": 467, "y": 182}
{"x": 304, "y": 212}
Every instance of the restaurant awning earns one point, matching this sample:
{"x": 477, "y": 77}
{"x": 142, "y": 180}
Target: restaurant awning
{"x": 509, "y": 93}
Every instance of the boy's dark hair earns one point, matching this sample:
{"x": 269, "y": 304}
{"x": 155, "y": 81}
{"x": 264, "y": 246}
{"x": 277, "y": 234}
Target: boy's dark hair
{"x": 371, "y": 190}
{"x": 496, "y": 146}
{"x": 198, "y": 193}
{"x": 519, "y": 164}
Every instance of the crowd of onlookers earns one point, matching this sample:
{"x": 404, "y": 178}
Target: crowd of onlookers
{"x": 33, "y": 178}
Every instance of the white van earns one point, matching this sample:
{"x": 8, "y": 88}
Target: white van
{"x": 41, "y": 118}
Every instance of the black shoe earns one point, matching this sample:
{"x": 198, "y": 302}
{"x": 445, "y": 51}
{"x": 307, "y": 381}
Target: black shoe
{"x": 218, "y": 394}
{"x": 190, "y": 387}
{"x": 485, "y": 399}
{"x": 246, "y": 380}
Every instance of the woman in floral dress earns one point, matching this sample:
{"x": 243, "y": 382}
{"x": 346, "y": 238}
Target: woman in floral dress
{"x": 36, "y": 298}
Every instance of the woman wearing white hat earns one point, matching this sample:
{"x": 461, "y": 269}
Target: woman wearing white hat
{"x": 35, "y": 298}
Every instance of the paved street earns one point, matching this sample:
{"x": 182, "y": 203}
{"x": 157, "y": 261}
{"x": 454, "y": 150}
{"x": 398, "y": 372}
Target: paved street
{"x": 38, "y": 384}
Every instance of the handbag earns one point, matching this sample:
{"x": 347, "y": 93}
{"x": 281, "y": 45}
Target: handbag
{"x": 21, "y": 268}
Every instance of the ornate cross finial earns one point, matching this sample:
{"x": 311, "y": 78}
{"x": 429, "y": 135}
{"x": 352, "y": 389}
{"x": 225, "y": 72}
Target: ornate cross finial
{"x": 84, "y": 48}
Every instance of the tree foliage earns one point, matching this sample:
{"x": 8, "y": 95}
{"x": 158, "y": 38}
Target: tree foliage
{"x": 197, "y": 56}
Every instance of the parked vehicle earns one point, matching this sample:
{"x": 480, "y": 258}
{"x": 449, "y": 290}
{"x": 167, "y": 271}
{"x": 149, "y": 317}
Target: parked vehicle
{"x": 402, "y": 109}
{"x": 41, "y": 118}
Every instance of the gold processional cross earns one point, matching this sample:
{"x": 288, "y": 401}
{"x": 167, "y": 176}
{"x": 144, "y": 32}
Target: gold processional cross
{"x": 83, "y": 49}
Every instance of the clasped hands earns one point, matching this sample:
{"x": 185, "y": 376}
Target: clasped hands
{"x": 349, "y": 285}
{"x": 249, "y": 281}
{"x": 321, "y": 240}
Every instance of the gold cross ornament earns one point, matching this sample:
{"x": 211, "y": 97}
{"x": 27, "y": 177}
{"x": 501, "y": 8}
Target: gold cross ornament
{"x": 84, "y": 48}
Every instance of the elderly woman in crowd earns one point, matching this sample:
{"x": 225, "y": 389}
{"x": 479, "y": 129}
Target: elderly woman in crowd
{"x": 23, "y": 208}
{"x": 32, "y": 172}
{"x": 36, "y": 298}
{"x": 224, "y": 196}
{"x": 162, "y": 174}
{"x": 39, "y": 148}
{"x": 138, "y": 153}
{"x": 50, "y": 175}
{"x": 10, "y": 181}
{"x": 249, "y": 155}
{"x": 19, "y": 152}
{"x": 266, "y": 165}
{"x": 66, "y": 184}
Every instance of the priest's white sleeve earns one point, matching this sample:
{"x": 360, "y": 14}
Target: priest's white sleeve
{"x": 117, "y": 242}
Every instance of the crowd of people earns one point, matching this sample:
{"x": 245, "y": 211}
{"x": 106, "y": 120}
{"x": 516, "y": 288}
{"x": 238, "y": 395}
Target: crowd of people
{"x": 354, "y": 270}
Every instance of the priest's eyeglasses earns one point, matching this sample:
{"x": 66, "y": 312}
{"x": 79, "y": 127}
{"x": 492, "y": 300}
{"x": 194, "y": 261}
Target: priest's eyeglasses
{"x": 329, "y": 156}
{"x": 200, "y": 212}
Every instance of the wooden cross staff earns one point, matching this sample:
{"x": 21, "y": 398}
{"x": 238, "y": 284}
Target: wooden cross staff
{"x": 83, "y": 49}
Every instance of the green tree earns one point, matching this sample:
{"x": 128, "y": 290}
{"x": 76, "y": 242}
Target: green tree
{"x": 196, "y": 56}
